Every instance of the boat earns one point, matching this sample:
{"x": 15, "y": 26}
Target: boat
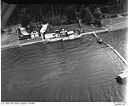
{"x": 121, "y": 78}
{"x": 71, "y": 36}
{"x": 54, "y": 39}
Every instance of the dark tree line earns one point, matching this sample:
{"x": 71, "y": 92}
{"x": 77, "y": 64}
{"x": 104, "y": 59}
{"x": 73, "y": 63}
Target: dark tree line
{"x": 54, "y": 14}
{"x": 59, "y": 14}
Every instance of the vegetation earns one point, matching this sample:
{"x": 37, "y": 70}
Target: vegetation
{"x": 61, "y": 14}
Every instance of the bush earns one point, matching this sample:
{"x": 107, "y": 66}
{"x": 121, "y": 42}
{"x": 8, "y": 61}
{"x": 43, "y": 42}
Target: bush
{"x": 98, "y": 23}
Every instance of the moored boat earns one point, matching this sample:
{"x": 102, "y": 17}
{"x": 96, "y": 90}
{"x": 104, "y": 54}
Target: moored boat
{"x": 121, "y": 78}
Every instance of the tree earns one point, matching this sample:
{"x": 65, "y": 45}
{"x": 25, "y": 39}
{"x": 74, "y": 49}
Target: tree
{"x": 87, "y": 15}
{"x": 7, "y": 10}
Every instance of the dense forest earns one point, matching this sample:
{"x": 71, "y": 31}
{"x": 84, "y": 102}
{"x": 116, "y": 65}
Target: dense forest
{"x": 63, "y": 14}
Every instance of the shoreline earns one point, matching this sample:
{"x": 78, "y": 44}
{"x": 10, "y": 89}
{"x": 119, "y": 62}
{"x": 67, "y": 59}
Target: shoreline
{"x": 121, "y": 25}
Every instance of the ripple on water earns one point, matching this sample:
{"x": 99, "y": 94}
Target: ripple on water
{"x": 79, "y": 70}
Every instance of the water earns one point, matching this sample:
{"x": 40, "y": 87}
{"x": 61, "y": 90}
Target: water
{"x": 117, "y": 39}
{"x": 78, "y": 70}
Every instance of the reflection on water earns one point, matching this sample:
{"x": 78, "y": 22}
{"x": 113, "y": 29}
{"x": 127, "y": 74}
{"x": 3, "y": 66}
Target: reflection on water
{"x": 78, "y": 70}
